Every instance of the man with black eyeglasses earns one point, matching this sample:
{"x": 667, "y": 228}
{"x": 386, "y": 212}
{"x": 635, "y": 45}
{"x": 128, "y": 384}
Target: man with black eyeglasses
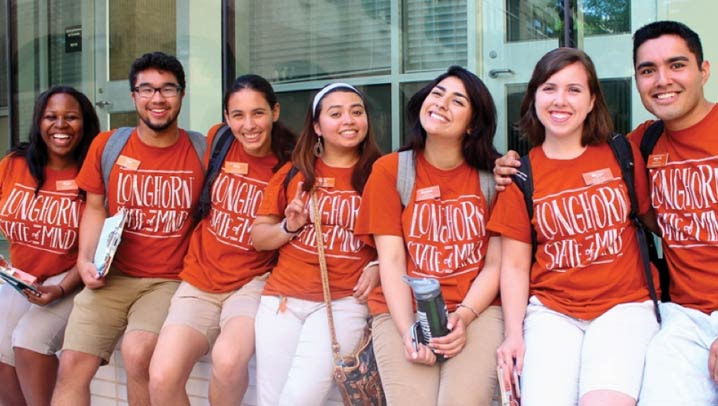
{"x": 154, "y": 173}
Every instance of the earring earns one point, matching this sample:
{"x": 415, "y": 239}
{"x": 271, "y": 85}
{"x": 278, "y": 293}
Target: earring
{"x": 319, "y": 147}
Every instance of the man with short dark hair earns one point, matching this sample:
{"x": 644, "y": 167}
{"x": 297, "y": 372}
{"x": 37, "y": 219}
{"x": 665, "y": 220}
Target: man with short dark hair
{"x": 156, "y": 178}
{"x": 670, "y": 75}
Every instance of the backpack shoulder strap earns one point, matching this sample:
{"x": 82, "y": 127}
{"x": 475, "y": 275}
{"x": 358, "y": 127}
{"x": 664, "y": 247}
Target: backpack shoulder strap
{"x": 112, "y": 150}
{"x": 199, "y": 143}
{"x": 621, "y": 148}
{"x": 221, "y": 144}
{"x": 650, "y": 138}
{"x": 524, "y": 180}
{"x": 405, "y": 176}
{"x": 488, "y": 187}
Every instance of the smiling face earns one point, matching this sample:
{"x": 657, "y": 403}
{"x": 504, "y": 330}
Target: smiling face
{"x": 342, "y": 121}
{"x": 61, "y": 128}
{"x": 157, "y": 113}
{"x": 251, "y": 118}
{"x": 446, "y": 111}
{"x": 563, "y": 102}
{"x": 670, "y": 81}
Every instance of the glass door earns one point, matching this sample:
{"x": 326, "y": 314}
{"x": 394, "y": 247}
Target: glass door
{"x": 124, "y": 30}
{"x": 518, "y": 32}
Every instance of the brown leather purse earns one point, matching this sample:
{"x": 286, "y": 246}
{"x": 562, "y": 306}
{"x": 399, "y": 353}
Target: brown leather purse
{"x": 357, "y": 374}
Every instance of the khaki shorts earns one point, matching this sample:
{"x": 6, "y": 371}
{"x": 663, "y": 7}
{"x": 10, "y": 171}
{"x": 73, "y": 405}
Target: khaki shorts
{"x": 36, "y": 328}
{"x": 208, "y": 312}
{"x": 125, "y": 303}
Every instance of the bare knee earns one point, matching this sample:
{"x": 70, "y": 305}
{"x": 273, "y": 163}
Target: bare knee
{"x": 77, "y": 368}
{"x": 231, "y": 368}
{"x": 137, "y": 353}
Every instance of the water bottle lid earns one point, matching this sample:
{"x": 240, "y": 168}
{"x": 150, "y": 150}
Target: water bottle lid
{"x": 424, "y": 288}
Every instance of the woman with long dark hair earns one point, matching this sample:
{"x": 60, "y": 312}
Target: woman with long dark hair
{"x": 439, "y": 234}
{"x": 333, "y": 159}
{"x": 40, "y": 209}
{"x": 223, "y": 275}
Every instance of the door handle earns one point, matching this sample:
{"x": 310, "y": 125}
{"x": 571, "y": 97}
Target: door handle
{"x": 495, "y": 73}
{"x": 103, "y": 103}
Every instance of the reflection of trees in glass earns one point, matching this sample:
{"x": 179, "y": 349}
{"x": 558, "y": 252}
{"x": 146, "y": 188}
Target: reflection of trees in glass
{"x": 606, "y": 16}
{"x": 529, "y": 20}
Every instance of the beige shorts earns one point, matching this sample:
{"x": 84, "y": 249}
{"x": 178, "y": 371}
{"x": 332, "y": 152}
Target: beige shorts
{"x": 208, "y": 312}
{"x": 125, "y": 303}
{"x": 36, "y": 328}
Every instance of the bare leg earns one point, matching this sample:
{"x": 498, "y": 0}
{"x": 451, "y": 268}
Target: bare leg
{"x": 230, "y": 358}
{"x": 37, "y": 374}
{"x": 73, "y": 378}
{"x": 10, "y": 392}
{"x": 178, "y": 349}
{"x": 137, "y": 348}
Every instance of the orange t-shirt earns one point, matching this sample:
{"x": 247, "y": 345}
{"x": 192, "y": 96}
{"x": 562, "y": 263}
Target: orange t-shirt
{"x": 42, "y": 230}
{"x": 297, "y": 272}
{"x": 160, "y": 196}
{"x": 587, "y": 257}
{"x": 221, "y": 257}
{"x": 445, "y": 236}
{"x": 684, "y": 194}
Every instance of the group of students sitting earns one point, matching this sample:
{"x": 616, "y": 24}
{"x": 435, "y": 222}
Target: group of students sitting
{"x": 220, "y": 255}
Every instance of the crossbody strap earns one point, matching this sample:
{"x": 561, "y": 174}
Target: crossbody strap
{"x": 325, "y": 275}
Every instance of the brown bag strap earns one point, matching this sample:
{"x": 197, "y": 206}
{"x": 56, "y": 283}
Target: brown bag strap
{"x": 325, "y": 275}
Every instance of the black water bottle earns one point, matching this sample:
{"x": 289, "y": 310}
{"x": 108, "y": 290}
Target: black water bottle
{"x": 430, "y": 308}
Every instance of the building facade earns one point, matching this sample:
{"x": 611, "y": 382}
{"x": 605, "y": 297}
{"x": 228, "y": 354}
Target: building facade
{"x": 389, "y": 48}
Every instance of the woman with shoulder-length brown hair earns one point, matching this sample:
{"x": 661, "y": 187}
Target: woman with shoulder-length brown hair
{"x": 330, "y": 165}
{"x": 577, "y": 311}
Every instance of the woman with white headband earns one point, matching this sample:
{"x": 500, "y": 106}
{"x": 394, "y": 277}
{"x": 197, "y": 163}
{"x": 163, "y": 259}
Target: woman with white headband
{"x": 331, "y": 162}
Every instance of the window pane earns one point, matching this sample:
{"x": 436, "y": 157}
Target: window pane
{"x": 293, "y": 41}
{"x": 138, "y": 27}
{"x": 65, "y": 63}
{"x": 407, "y": 90}
{"x": 295, "y": 105}
{"x": 606, "y": 17}
{"x": 435, "y": 34}
{"x": 529, "y": 20}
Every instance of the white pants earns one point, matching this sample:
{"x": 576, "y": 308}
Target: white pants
{"x": 294, "y": 350}
{"x": 567, "y": 358}
{"x": 677, "y": 359}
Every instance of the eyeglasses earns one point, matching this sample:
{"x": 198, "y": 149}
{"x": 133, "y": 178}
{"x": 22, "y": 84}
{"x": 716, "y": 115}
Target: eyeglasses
{"x": 167, "y": 91}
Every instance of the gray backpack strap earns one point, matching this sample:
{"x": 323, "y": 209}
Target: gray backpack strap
{"x": 112, "y": 150}
{"x": 199, "y": 142}
{"x": 405, "y": 176}
{"x": 488, "y": 187}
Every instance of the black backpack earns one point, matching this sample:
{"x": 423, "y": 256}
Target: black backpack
{"x": 621, "y": 148}
{"x": 218, "y": 151}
